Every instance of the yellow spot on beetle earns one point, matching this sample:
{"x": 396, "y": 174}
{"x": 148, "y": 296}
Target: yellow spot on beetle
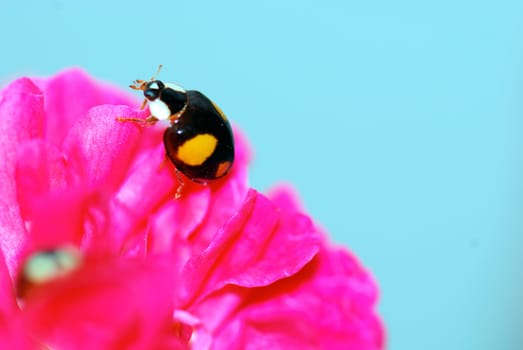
{"x": 195, "y": 151}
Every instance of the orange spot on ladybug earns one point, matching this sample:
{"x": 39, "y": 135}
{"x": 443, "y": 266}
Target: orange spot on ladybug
{"x": 219, "y": 110}
{"x": 223, "y": 168}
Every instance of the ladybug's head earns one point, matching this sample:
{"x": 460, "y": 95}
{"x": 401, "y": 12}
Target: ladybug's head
{"x": 153, "y": 89}
{"x": 164, "y": 99}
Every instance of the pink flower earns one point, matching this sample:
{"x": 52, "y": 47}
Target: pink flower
{"x": 222, "y": 267}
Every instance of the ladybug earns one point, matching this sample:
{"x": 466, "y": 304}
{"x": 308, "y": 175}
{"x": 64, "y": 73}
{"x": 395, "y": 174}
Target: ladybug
{"x": 199, "y": 140}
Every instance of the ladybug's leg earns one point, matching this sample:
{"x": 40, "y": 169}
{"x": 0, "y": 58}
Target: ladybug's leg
{"x": 144, "y": 103}
{"x": 150, "y": 120}
{"x": 132, "y": 120}
{"x": 181, "y": 184}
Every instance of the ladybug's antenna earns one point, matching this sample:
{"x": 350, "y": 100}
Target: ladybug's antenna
{"x": 157, "y": 72}
{"x": 139, "y": 84}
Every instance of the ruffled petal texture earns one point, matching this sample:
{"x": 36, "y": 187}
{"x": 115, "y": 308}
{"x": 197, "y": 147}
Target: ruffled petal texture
{"x": 21, "y": 117}
{"x": 222, "y": 267}
{"x": 328, "y": 304}
{"x": 256, "y": 247}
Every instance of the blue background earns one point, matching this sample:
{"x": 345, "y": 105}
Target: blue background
{"x": 399, "y": 123}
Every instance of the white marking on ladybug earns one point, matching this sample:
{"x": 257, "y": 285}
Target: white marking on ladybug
{"x": 159, "y": 109}
{"x": 154, "y": 85}
{"x": 175, "y": 87}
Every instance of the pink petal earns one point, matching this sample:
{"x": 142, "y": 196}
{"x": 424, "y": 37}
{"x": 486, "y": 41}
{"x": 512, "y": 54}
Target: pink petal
{"x": 41, "y": 168}
{"x": 100, "y": 147}
{"x": 277, "y": 335}
{"x": 7, "y": 295}
{"x": 68, "y": 97}
{"x": 285, "y": 197}
{"x": 13, "y": 336}
{"x": 257, "y": 247}
{"x": 21, "y": 113}
{"x": 188, "y": 213}
{"x": 120, "y": 304}
{"x": 73, "y": 216}
{"x": 219, "y": 309}
{"x": 329, "y": 305}
{"x": 145, "y": 187}
{"x": 12, "y": 232}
